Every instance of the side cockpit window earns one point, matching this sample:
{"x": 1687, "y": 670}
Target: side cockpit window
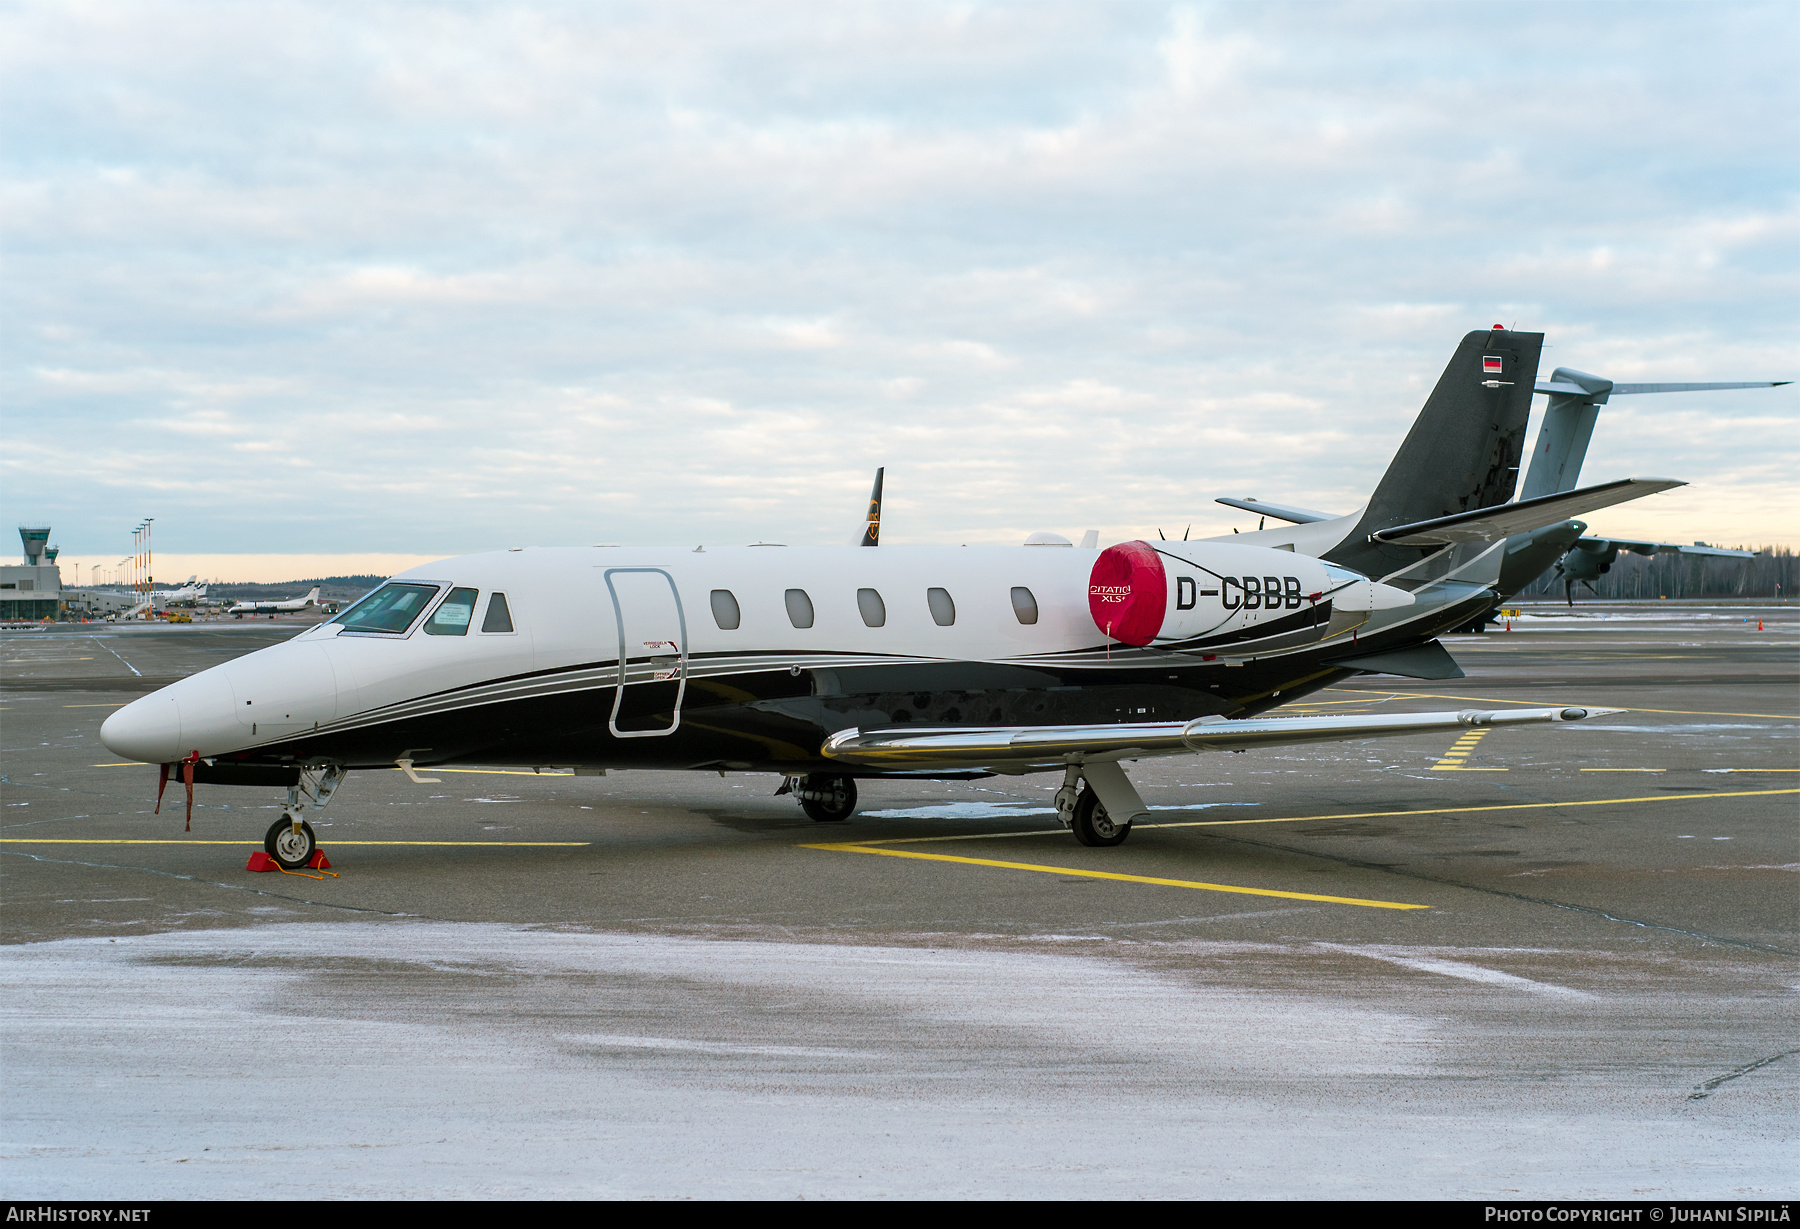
{"x": 498, "y": 617}
{"x": 390, "y": 609}
{"x": 453, "y": 615}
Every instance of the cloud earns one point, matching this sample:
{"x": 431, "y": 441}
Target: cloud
{"x": 429, "y": 279}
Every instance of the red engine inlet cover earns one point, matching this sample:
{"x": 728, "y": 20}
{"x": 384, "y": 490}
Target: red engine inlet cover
{"x": 1128, "y": 592}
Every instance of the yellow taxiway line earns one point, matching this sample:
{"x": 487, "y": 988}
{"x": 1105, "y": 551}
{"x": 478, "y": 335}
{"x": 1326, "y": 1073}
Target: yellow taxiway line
{"x": 873, "y": 847}
{"x": 853, "y": 847}
{"x": 1303, "y": 819}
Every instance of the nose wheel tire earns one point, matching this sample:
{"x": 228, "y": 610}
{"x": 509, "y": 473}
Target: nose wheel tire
{"x": 292, "y": 850}
{"x": 829, "y": 800}
{"x": 1093, "y": 826}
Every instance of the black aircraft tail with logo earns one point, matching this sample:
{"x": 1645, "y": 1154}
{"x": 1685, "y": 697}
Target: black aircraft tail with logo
{"x": 1463, "y": 451}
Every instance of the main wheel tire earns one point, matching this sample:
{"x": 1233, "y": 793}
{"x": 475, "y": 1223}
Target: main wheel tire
{"x": 828, "y": 800}
{"x": 290, "y": 850}
{"x": 1093, "y": 826}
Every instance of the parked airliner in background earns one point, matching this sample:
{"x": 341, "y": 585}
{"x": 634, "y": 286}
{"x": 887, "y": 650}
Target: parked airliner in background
{"x": 830, "y": 665}
{"x": 188, "y": 593}
{"x": 298, "y": 603}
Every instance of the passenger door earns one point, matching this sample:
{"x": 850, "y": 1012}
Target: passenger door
{"x": 652, "y": 632}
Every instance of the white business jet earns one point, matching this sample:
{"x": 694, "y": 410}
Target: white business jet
{"x": 291, "y": 604}
{"x": 829, "y": 665}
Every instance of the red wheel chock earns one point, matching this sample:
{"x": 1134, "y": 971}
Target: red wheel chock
{"x": 261, "y": 862}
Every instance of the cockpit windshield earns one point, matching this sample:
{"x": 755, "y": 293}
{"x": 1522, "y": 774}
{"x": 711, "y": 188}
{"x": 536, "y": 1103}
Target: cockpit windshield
{"x": 391, "y": 608}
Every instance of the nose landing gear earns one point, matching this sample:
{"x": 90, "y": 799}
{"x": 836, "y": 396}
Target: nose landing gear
{"x": 290, "y": 840}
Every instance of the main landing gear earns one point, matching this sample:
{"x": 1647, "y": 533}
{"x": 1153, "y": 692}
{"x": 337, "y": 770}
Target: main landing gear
{"x": 825, "y": 798}
{"x": 290, "y": 840}
{"x": 1082, "y": 804}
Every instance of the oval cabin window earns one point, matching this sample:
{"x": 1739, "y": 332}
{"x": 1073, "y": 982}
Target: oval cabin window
{"x": 943, "y": 610}
{"x": 1024, "y": 604}
{"x": 871, "y": 607}
{"x": 799, "y": 608}
{"x": 725, "y": 610}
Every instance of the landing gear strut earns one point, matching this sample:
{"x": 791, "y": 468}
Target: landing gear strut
{"x": 827, "y": 799}
{"x": 290, "y": 839}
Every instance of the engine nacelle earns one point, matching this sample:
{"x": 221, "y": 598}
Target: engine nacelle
{"x": 1193, "y": 594}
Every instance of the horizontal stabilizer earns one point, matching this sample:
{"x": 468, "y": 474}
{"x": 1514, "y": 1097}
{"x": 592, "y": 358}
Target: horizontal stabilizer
{"x": 1568, "y": 388}
{"x": 1281, "y": 512}
{"x": 1492, "y": 524}
{"x": 1022, "y": 747}
{"x": 1422, "y": 661}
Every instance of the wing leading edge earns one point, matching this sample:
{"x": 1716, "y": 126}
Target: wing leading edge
{"x": 1021, "y": 747}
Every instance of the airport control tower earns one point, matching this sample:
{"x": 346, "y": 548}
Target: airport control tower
{"x": 33, "y": 591}
{"x": 34, "y": 540}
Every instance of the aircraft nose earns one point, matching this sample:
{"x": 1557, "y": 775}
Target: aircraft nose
{"x": 146, "y": 730}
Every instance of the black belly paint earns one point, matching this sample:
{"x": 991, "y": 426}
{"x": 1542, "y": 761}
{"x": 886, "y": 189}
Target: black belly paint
{"x": 773, "y": 720}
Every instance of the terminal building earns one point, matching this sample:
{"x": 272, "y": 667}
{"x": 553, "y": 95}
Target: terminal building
{"x": 33, "y": 591}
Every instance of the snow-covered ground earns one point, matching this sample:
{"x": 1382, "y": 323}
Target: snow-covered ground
{"x": 477, "y": 1059}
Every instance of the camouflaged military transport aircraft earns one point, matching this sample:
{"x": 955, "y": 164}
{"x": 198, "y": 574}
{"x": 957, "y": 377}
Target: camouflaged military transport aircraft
{"x": 829, "y": 665}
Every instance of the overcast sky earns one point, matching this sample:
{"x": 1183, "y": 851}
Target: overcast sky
{"x": 414, "y": 280}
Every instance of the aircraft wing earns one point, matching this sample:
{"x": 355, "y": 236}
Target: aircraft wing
{"x": 911, "y": 747}
{"x": 1504, "y": 520}
{"x": 1281, "y": 512}
{"x": 1671, "y": 548}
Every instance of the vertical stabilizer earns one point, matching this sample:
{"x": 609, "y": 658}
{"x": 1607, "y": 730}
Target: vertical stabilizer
{"x": 1562, "y": 441}
{"x": 1463, "y": 451}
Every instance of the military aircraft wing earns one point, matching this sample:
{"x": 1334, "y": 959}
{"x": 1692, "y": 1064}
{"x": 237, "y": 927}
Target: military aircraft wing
{"x": 1669, "y": 548}
{"x": 1504, "y": 520}
{"x": 989, "y": 746}
{"x": 1281, "y": 512}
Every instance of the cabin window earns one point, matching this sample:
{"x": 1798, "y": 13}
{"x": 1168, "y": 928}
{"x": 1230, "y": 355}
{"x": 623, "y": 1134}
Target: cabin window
{"x": 390, "y": 609}
{"x": 453, "y": 614}
{"x": 871, "y": 607}
{"x": 1024, "y": 604}
{"x": 725, "y": 610}
{"x": 498, "y": 617}
{"x": 799, "y": 608}
{"x": 943, "y": 610}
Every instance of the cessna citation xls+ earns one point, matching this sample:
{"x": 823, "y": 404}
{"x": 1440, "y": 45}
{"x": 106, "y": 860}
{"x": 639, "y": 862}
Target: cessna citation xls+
{"x": 827, "y": 665}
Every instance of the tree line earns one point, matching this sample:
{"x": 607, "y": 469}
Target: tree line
{"x": 1774, "y": 573}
